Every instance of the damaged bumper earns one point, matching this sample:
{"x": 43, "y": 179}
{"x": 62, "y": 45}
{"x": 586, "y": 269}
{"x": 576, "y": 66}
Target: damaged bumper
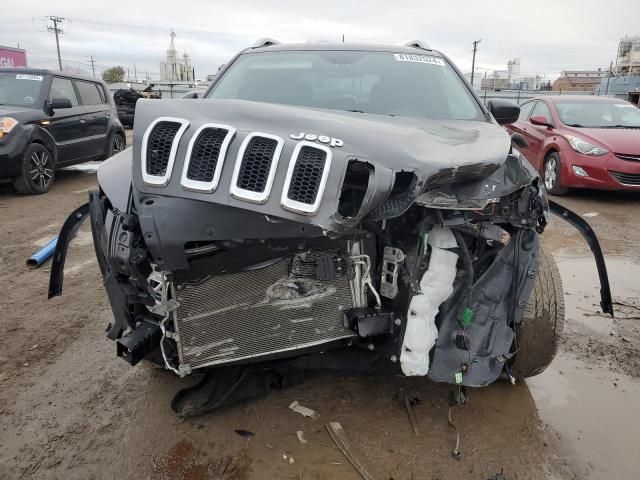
{"x": 418, "y": 281}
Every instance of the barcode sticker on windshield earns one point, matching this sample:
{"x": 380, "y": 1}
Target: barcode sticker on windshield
{"x": 408, "y": 57}
{"x": 22, "y": 76}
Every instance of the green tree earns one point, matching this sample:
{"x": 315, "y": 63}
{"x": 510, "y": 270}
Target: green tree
{"x": 113, "y": 74}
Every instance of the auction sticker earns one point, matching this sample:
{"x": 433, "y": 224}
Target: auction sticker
{"x": 409, "y": 57}
{"x": 22, "y": 76}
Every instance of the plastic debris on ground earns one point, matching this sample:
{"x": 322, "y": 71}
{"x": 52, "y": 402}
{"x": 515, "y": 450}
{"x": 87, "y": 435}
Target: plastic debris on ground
{"x": 304, "y": 411}
{"x": 300, "y": 435}
{"x": 353, "y": 455}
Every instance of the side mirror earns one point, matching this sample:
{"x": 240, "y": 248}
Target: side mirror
{"x": 192, "y": 94}
{"x": 519, "y": 141}
{"x": 503, "y": 111}
{"x": 541, "y": 121}
{"x": 60, "y": 102}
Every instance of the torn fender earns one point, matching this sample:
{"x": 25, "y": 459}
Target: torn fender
{"x": 606, "y": 302}
{"x": 68, "y": 231}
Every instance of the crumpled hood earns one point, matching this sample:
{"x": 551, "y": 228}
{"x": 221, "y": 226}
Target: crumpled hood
{"x": 438, "y": 152}
{"x": 391, "y": 141}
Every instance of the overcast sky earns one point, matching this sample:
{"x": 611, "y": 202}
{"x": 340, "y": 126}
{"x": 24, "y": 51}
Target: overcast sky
{"x": 548, "y": 35}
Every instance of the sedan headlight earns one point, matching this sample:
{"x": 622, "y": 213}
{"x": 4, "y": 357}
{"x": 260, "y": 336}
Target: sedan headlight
{"x": 6, "y": 125}
{"x": 584, "y": 147}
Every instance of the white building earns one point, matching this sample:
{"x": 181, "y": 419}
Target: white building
{"x": 176, "y": 68}
{"x": 628, "y": 61}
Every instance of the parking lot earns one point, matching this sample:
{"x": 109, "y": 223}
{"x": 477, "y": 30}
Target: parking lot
{"x": 70, "y": 409}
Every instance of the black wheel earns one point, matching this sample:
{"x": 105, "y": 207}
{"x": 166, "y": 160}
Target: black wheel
{"x": 38, "y": 171}
{"x": 552, "y": 174}
{"x": 117, "y": 143}
{"x": 538, "y": 334}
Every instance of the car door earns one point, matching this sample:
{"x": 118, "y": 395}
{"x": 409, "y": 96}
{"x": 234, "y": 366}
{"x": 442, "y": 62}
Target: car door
{"x": 521, "y": 126}
{"x": 66, "y": 125}
{"x": 538, "y": 134}
{"x": 96, "y": 114}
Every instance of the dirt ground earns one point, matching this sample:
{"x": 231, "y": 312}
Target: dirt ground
{"x": 69, "y": 409}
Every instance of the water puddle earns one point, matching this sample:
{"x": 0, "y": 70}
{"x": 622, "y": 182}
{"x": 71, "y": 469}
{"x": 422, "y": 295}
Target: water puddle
{"x": 582, "y": 289}
{"x": 595, "y": 412}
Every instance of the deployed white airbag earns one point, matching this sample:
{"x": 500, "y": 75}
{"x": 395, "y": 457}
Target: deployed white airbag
{"x": 436, "y": 286}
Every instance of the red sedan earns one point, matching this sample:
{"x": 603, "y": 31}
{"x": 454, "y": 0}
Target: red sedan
{"x": 582, "y": 142}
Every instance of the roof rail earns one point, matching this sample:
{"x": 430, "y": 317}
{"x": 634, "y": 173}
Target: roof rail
{"x": 417, "y": 44}
{"x": 265, "y": 42}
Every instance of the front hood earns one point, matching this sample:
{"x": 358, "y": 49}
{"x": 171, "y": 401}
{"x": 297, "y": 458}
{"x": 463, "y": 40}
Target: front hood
{"x": 17, "y": 112}
{"x": 437, "y": 152}
{"x": 392, "y": 141}
{"x": 617, "y": 140}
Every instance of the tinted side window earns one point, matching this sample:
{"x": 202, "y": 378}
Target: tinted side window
{"x": 63, "y": 88}
{"x": 89, "y": 94}
{"x": 103, "y": 95}
{"x": 542, "y": 110}
{"x": 525, "y": 110}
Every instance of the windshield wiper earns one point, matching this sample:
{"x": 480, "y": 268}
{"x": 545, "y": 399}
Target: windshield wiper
{"x": 577, "y": 125}
{"x": 621, "y": 126}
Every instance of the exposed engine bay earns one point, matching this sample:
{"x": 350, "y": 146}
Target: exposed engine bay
{"x": 229, "y": 243}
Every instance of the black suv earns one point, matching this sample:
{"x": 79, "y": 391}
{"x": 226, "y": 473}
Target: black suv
{"x": 50, "y": 120}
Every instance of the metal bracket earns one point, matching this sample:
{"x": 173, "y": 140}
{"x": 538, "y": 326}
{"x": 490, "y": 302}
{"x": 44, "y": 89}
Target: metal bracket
{"x": 391, "y": 261}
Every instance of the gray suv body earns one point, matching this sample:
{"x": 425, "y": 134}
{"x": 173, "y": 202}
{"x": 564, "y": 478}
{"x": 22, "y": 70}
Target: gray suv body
{"x": 326, "y": 206}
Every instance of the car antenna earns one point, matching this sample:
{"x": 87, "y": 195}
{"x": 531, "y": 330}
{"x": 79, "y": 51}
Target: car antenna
{"x": 265, "y": 42}
{"x": 418, "y": 44}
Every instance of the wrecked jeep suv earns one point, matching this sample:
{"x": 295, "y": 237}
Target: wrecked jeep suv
{"x": 326, "y": 206}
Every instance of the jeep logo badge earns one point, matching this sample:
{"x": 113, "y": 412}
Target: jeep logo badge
{"x": 312, "y": 137}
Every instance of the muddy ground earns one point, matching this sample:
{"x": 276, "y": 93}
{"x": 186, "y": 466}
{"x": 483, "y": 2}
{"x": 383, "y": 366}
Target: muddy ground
{"x": 69, "y": 409}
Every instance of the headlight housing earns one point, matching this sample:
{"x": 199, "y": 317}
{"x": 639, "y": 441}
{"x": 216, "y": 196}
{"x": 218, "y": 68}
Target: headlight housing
{"x": 584, "y": 147}
{"x": 6, "y": 125}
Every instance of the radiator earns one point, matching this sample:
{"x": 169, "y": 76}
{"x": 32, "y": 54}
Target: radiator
{"x": 248, "y": 315}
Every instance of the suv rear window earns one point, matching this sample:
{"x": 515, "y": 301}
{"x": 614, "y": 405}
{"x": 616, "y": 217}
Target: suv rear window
{"x": 89, "y": 94}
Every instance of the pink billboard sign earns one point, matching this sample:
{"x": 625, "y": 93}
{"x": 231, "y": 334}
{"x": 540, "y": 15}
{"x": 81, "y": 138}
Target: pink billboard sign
{"x": 12, "y": 57}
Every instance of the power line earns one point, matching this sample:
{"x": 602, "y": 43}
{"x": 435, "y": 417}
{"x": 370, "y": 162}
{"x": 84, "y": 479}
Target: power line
{"x": 93, "y": 62}
{"x": 473, "y": 62}
{"x": 57, "y": 30}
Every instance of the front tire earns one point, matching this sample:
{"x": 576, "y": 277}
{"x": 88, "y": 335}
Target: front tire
{"x": 38, "y": 171}
{"x": 538, "y": 333}
{"x": 553, "y": 174}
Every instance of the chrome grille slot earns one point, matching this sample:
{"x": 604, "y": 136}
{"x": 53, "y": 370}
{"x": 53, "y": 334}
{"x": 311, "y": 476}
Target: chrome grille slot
{"x": 631, "y": 179}
{"x": 159, "y": 147}
{"x": 256, "y": 313}
{"x": 256, "y": 166}
{"x": 205, "y": 157}
{"x": 306, "y": 177}
{"x": 629, "y": 158}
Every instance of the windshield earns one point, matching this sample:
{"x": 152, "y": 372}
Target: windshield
{"x": 605, "y": 114}
{"x": 20, "y": 89}
{"x": 383, "y": 83}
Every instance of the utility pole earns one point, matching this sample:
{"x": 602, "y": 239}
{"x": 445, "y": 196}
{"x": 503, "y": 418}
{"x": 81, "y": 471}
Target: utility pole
{"x": 57, "y": 30}
{"x": 135, "y": 73}
{"x": 92, "y": 62}
{"x": 473, "y": 62}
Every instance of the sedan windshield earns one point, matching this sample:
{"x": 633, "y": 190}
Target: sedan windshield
{"x": 383, "y": 83}
{"x": 20, "y": 89}
{"x": 600, "y": 114}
